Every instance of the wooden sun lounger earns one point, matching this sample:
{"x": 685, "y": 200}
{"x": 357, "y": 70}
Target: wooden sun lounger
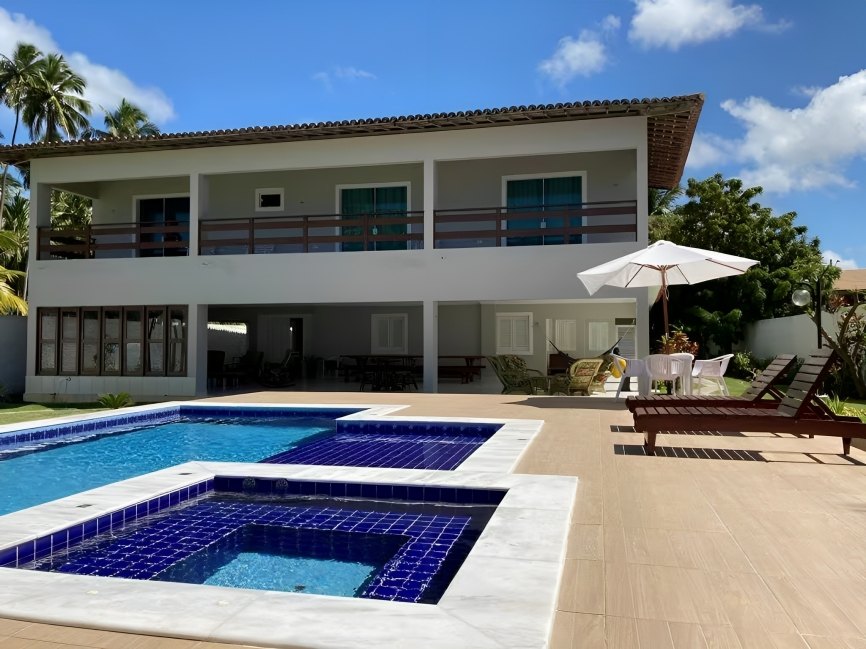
{"x": 763, "y": 385}
{"x": 794, "y": 414}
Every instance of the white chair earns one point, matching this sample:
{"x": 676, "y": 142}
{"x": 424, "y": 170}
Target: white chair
{"x": 633, "y": 368}
{"x": 664, "y": 367}
{"x": 686, "y": 373}
{"x": 714, "y": 371}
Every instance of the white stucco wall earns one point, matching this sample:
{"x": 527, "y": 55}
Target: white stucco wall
{"x": 426, "y": 276}
{"x": 791, "y": 335}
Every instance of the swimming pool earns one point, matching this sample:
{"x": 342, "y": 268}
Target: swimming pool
{"x": 45, "y": 463}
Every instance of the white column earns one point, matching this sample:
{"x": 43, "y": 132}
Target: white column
{"x": 642, "y": 333}
{"x": 431, "y": 346}
{"x": 40, "y": 217}
{"x": 642, "y": 190}
{"x": 197, "y": 347}
{"x": 430, "y": 200}
{"x": 198, "y": 208}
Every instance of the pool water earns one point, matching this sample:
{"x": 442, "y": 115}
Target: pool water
{"x": 269, "y": 557}
{"x": 33, "y": 478}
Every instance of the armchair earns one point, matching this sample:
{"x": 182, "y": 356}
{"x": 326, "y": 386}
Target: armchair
{"x": 513, "y": 374}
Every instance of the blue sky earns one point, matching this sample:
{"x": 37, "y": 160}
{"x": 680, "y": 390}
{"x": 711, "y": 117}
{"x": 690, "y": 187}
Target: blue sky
{"x": 785, "y": 80}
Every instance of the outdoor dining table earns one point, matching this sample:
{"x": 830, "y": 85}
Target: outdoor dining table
{"x": 467, "y": 372}
{"x": 383, "y": 370}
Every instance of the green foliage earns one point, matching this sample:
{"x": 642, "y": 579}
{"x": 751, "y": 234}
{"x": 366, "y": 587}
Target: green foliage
{"x": 127, "y": 120}
{"x": 745, "y": 365}
{"x": 841, "y": 407}
{"x": 115, "y": 401}
{"x": 53, "y": 106}
{"x": 70, "y": 211}
{"x": 721, "y": 215}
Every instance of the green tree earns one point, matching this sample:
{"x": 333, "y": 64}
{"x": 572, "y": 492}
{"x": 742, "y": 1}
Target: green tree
{"x": 16, "y": 79}
{"x": 70, "y": 211}
{"x": 662, "y": 207}
{"x": 721, "y": 215}
{"x": 54, "y": 107}
{"x": 10, "y": 301}
{"x": 127, "y": 120}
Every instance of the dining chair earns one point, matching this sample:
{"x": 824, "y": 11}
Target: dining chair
{"x": 664, "y": 367}
{"x": 634, "y": 367}
{"x": 714, "y": 371}
{"x": 685, "y": 371}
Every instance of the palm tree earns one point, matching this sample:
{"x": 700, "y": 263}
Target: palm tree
{"x": 127, "y": 120}
{"x": 16, "y": 76}
{"x": 54, "y": 107}
{"x": 9, "y": 300}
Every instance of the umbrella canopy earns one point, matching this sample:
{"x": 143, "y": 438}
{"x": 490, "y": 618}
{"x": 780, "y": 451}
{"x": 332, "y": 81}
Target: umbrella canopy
{"x": 662, "y": 264}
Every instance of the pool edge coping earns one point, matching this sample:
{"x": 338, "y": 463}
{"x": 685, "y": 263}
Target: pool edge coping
{"x": 509, "y": 553}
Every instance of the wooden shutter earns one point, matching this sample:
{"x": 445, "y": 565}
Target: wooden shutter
{"x": 389, "y": 333}
{"x": 566, "y": 334}
{"x": 67, "y": 355}
{"x": 514, "y": 333}
{"x": 48, "y": 334}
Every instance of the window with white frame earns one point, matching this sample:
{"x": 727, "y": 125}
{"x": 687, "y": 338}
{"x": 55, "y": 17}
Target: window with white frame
{"x": 390, "y": 333}
{"x": 598, "y": 336}
{"x": 514, "y": 333}
{"x": 626, "y": 337}
{"x": 563, "y": 334}
{"x": 269, "y": 199}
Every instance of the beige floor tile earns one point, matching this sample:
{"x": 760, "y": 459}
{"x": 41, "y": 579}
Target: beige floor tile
{"x": 687, "y": 636}
{"x": 11, "y": 627}
{"x": 621, "y": 633}
{"x": 823, "y": 642}
{"x": 617, "y": 590}
{"x": 81, "y": 637}
{"x": 586, "y": 542}
{"x": 675, "y": 592}
{"x": 811, "y": 614}
{"x": 614, "y": 544}
{"x": 589, "y": 632}
{"x": 582, "y": 587}
{"x": 561, "y": 632}
{"x": 789, "y": 641}
{"x": 654, "y": 633}
{"x": 720, "y": 637}
{"x": 648, "y": 602}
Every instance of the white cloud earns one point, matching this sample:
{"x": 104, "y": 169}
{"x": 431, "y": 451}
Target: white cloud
{"x": 674, "y": 23}
{"x": 584, "y": 56}
{"x": 845, "y": 264}
{"x": 794, "y": 149}
{"x": 105, "y": 86}
{"x": 344, "y": 74}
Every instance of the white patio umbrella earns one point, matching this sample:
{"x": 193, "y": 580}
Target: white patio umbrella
{"x": 663, "y": 264}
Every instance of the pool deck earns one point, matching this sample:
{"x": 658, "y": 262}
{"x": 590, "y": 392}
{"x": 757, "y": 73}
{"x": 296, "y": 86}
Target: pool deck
{"x": 761, "y": 549}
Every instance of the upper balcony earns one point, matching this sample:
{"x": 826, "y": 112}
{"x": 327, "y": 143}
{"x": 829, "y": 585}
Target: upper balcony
{"x": 521, "y": 201}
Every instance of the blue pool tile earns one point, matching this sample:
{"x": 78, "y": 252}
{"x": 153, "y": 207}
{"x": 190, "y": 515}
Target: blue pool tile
{"x": 42, "y": 547}
{"x": 59, "y": 541}
{"x": 75, "y": 534}
{"x": 103, "y": 524}
{"x": 26, "y": 552}
{"x": 353, "y": 490}
{"x": 8, "y": 557}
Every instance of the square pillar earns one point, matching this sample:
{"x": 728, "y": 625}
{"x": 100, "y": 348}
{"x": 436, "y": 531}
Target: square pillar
{"x": 430, "y": 201}
{"x": 431, "y": 345}
{"x": 642, "y": 333}
{"x": 198, "y": 208}
{"x": 197, "y": 347}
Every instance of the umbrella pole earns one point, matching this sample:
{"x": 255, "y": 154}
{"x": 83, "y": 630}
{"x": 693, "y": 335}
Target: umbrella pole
{"x": 665, "y": 302}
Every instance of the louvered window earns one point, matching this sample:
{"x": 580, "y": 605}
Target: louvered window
{"x": 390, "y": 333}
{"x": 514, "y": 333}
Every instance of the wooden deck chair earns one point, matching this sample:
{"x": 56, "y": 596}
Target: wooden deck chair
{"x": 795, "y": 414}
{"x": 763, "y": 385}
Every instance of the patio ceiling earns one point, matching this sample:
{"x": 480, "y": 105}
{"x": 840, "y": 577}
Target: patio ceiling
{"x": 670, "y": 129}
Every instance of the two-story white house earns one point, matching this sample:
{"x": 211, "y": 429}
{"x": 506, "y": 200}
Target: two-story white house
{"x": 430, "y": 235}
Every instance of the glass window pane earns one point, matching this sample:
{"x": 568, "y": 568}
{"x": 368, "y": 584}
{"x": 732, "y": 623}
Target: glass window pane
{"x": 133, "y": 357}
{"x": 154, "y": 357}
{"x": 177, "y": 209}
{"x": 150, "y": 210}
{"x": 112, "y": 325}
{"x": 111, "y": 357}
{"x": 47, "y": 356}
{"x": 133, "y": 325}
{"x": 90, "y": 325}
{"x": 69, "y": 357}
{"x": 90, "y": 357}
{"x": 177, "y": 357}
{"x": 177, "y": 326}
{"x": 155, "y": 325}
{"x": 69, "y": 325}
{"x": 49, "y": 326}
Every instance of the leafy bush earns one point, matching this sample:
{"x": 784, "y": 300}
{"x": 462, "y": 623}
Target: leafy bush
{"x": 116, "y": 401}
{"x": 678, "y": 343}
{"x": 746, "y": 366}
{"x": 840, "y": 407}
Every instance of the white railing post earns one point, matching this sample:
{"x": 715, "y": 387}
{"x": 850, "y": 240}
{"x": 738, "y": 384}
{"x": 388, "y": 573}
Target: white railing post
{"x": 431, "y": 346}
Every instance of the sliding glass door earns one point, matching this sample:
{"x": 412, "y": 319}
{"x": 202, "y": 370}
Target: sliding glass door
{"x": 543, "y": 195}
{"x": 168, "y": 212}
{"x": 375, "y": 202}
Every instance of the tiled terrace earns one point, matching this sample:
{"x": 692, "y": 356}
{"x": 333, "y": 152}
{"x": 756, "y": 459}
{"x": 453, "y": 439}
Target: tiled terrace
{"x": 737, "y": 541}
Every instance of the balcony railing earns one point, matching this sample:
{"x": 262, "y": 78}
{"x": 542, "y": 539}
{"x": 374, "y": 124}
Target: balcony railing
{"x": 169, "y": 239}
{"x": 536, "y": 225}
{"x": 312, "y": 233}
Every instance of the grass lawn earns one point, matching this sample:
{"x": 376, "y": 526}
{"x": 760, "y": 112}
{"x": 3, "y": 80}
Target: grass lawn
{"x": 14, "y": 413}
{"x": 736, "y": 386}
